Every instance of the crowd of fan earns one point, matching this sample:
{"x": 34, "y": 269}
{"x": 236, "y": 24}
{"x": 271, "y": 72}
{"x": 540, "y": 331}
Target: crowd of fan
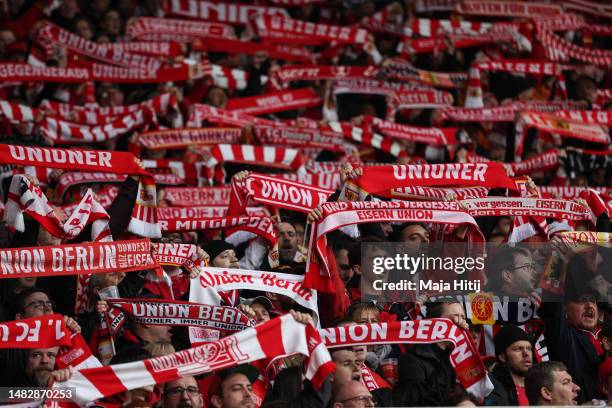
{"x": 577, "y": 332}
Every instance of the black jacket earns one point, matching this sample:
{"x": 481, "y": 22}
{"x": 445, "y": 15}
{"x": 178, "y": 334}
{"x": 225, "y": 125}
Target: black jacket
{"x": 504, "y": 393}
{"x": 425, "y": 377}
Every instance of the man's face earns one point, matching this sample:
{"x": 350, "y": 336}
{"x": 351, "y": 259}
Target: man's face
{"x": 39, "y": 365}
{"x": 367, "y": 269}
{"x": 518, "y": 357}
{"x": 582, "y": 314}
{"x": 226, "y": 259}
{"x": 182, "y": 393}
{"x": 354, "y": 395}
{"x": 415, "y": 236}
{"x": 524, "y": 274}
{"x": 348, "y": 367}
{"x": 563, "y": 391}
{"x": 452, "y": 311}
{"x": 36, "y": 305}
{"x": 367, "y": 316}
{"x": 160, "y": 334}
{"x": 237, "y": 392}
{"x": 287, "y": 242}
{"x": 261, "y": 313}
{"x": 344, "y": 266}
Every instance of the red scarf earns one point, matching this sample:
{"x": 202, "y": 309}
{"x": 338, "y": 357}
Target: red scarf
{"x": 599, "y": 117}
{"x": 437, "y": 194}
{"x": 233, "y": 13}
{"x": 298, "y": 137}
{"x": 162, "y": 29}
{"x": 182, "y": 138}
{"x": 73, "y": 259}
{"x": 506, "y": 113}
{"x": 508, "y": 8}
{"x": 524, "y": 206}
{"x": 279, "y": 101}
{"x": 277, "y": 51}
{"x": 281, "y": 77}
{"x": 428, "y": 135}
{"x": 35, "y": 332}
{"x": 183, "y": 255}
{"x": 200, "y": 196}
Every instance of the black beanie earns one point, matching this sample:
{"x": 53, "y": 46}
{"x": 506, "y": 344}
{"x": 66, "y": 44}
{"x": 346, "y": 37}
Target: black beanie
{"x": 508, "y": 335}
{"x": 215, "y": 247}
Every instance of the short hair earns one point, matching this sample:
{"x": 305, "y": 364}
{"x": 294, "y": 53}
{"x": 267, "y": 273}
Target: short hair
{"x": 19, "y": 305}
{"x": 354, "y": 252}
{"x": 503, "y": 260}
{"x": 435, "y": 309}
{"x": 541, "y": 375}
{"x": 357, "y": 308}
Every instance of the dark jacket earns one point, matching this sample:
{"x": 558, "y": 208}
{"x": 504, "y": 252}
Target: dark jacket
{"x": 425, "y": 377}
{"x": 573, "y": 348}
{"x": 504, "y": 392}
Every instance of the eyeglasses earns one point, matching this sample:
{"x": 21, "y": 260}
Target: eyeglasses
{"x": 365, "y": 399}
{"x": 180, "y": 390}
{"x": 41, "y": 304}
{"x": 530, "y": 266}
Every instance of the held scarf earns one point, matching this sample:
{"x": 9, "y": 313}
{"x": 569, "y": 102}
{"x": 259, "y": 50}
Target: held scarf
{"x": 527, "y": 67}
{"x": 280, "y": 29}
{"x": 410, "y": 46}
{"x": 600, "y": 117}
{"x": 524, "y": 206}
{"x": 90, "y": 114}
{"x": 428, "y": 135}
{"x": 505, "y": 113}
{"x": 18, "y": 113}
{"x": 19, "y": 72}
{"x": 298, "y": 137}
{"x": 193, "y": 174}
{"x": 568, "y": 193}
{"x": 589, "y": 237}
{"x": 464, "y": 357}
{"x": 232, "y": 13}
{"x": 51, "y": 34}
{"x": 437, "y": 194}
{"x": 507, "y": 8}
{"x": 417, "y": 99}
{"x": 549, "y": 160}
{"x": 105, "y": 196}
{"x": 339, "y": 214}
{"x": 177, "y": 313}
{"x": 599, "y": 203}
{"x": 154, "y": 28}
{"x": 182, "y": 138}
{"x": 371, "y": 86}
{"x": 281, "y": 77}
{"x": 275, "y": 192}
{"x": 364, "y": 135}
{"x": 225, "y": 117}
{"x": 326, "y": 181}
{"x": 143, "y": 221}
{"x": 35, "y": 332}
{"x": 377, "y": 179}
{"x": 249, "y": 345}
{"x": 278, "y": 157}
{"x": 278, "y": 101}
{"x": 262, "y": 226}
{"x": 198, "y": 196}
{"x": 165, "y": 213}
{"x": 550, "y": 123}
{"x": 230, "y": 78}
{"x": 59, "y": 260}
{"x": 163, "y": 49}
{"x": 426, "y": 27}
{"x": 401, "y": 70}
{"x": 26, "y": 198}
{"x": 136, "y": 75}
{"x": 423, "y": 6}
{"x": 71, "y": 179}
{"x": 59, "y": 131}
{"x": 183, "y": 255}
{"x": 277, "y": 51}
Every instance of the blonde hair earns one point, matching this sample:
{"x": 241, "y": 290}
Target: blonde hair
{"x": 160, "y": 349}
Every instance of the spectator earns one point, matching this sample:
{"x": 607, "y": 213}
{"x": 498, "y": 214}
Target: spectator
{"x": 235, "y": 388}
{"x": 182, "y": 393}
{"x": 353, "y": 394}
{"x": 549, "y": 383}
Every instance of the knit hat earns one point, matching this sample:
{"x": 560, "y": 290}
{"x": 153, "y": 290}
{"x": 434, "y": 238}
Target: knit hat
{"x": 508, "y": 335}
{"x": 215, "y": 247}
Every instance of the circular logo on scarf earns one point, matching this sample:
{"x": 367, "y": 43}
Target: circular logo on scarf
{"x": 482, "y": 307}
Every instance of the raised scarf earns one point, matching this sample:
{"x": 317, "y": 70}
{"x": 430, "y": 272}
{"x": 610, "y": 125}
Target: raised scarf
{"x": 278, "y": 101}
{"x": 182, "y": 138}
{"x": 35, "y": 332}
{"x": 156, "y": 29}
{"x": 232, "y": 13}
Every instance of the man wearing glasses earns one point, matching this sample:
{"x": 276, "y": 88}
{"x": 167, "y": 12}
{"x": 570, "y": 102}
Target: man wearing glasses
{"x": 353, "y": 394}
{"x": 182, "y": 393}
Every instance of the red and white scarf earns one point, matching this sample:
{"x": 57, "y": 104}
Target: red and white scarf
{"x": 278, "y": 157}
{"x": 365, "y": 136}
{"x": 550, "y": 123}
{"x": 144, "y": 215}
{"x": 417, "y": 99}
{"x": 176, "y": 313}
{"x": 169, "y": 29}
{"x": 51, "y": 34}
{"x": 371, "y": 86}
{"x": 214, "y": 115}
{"x": 568, "y": 192}
{"x": 298, "y": 137}
{"x": 105, "y": 197}
{"x": 207, "y": 287}
{"x": 599, "y": 117}
{"x": 339, "y": 214}
{"x": 137, "y": 75}
{"x": 35, "y": 332}
{"x": 20, "y": 72}
{"x": 252, "y": 344}
{"x": 182, "y": 138}
{"x": 198, "y": 196}
{"x": 232, "y": 13}
{"x": 278, "y": 101}
{"x": 527, "y": 207}
{"x": 527, "y": 67}
{"x": 281, "y": 77}
{"x": 428, "y": 135}
{"x": 183, "y": 255}
{"x": 71, "y": 179}
{"x": 26, "y": 198}
{"x": 59, "y": 131}
{"x": 74, "y": 259}
{"x": 549, "y": 160}
{"x": 589, "y": 237}
{"x": 464, "y": 357}
{"x": 423, "y": 6}
{"x": 281, "y": 29}
{"x": 192, "y": 212}
{"x": 278, "y": 51}
{"x": 437, "y": 194}
{"x": 497, "y": 8}
{"x": 506, "y": 113}
{"x": 276, "y": 192}
{"x": 327, "y": 181}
